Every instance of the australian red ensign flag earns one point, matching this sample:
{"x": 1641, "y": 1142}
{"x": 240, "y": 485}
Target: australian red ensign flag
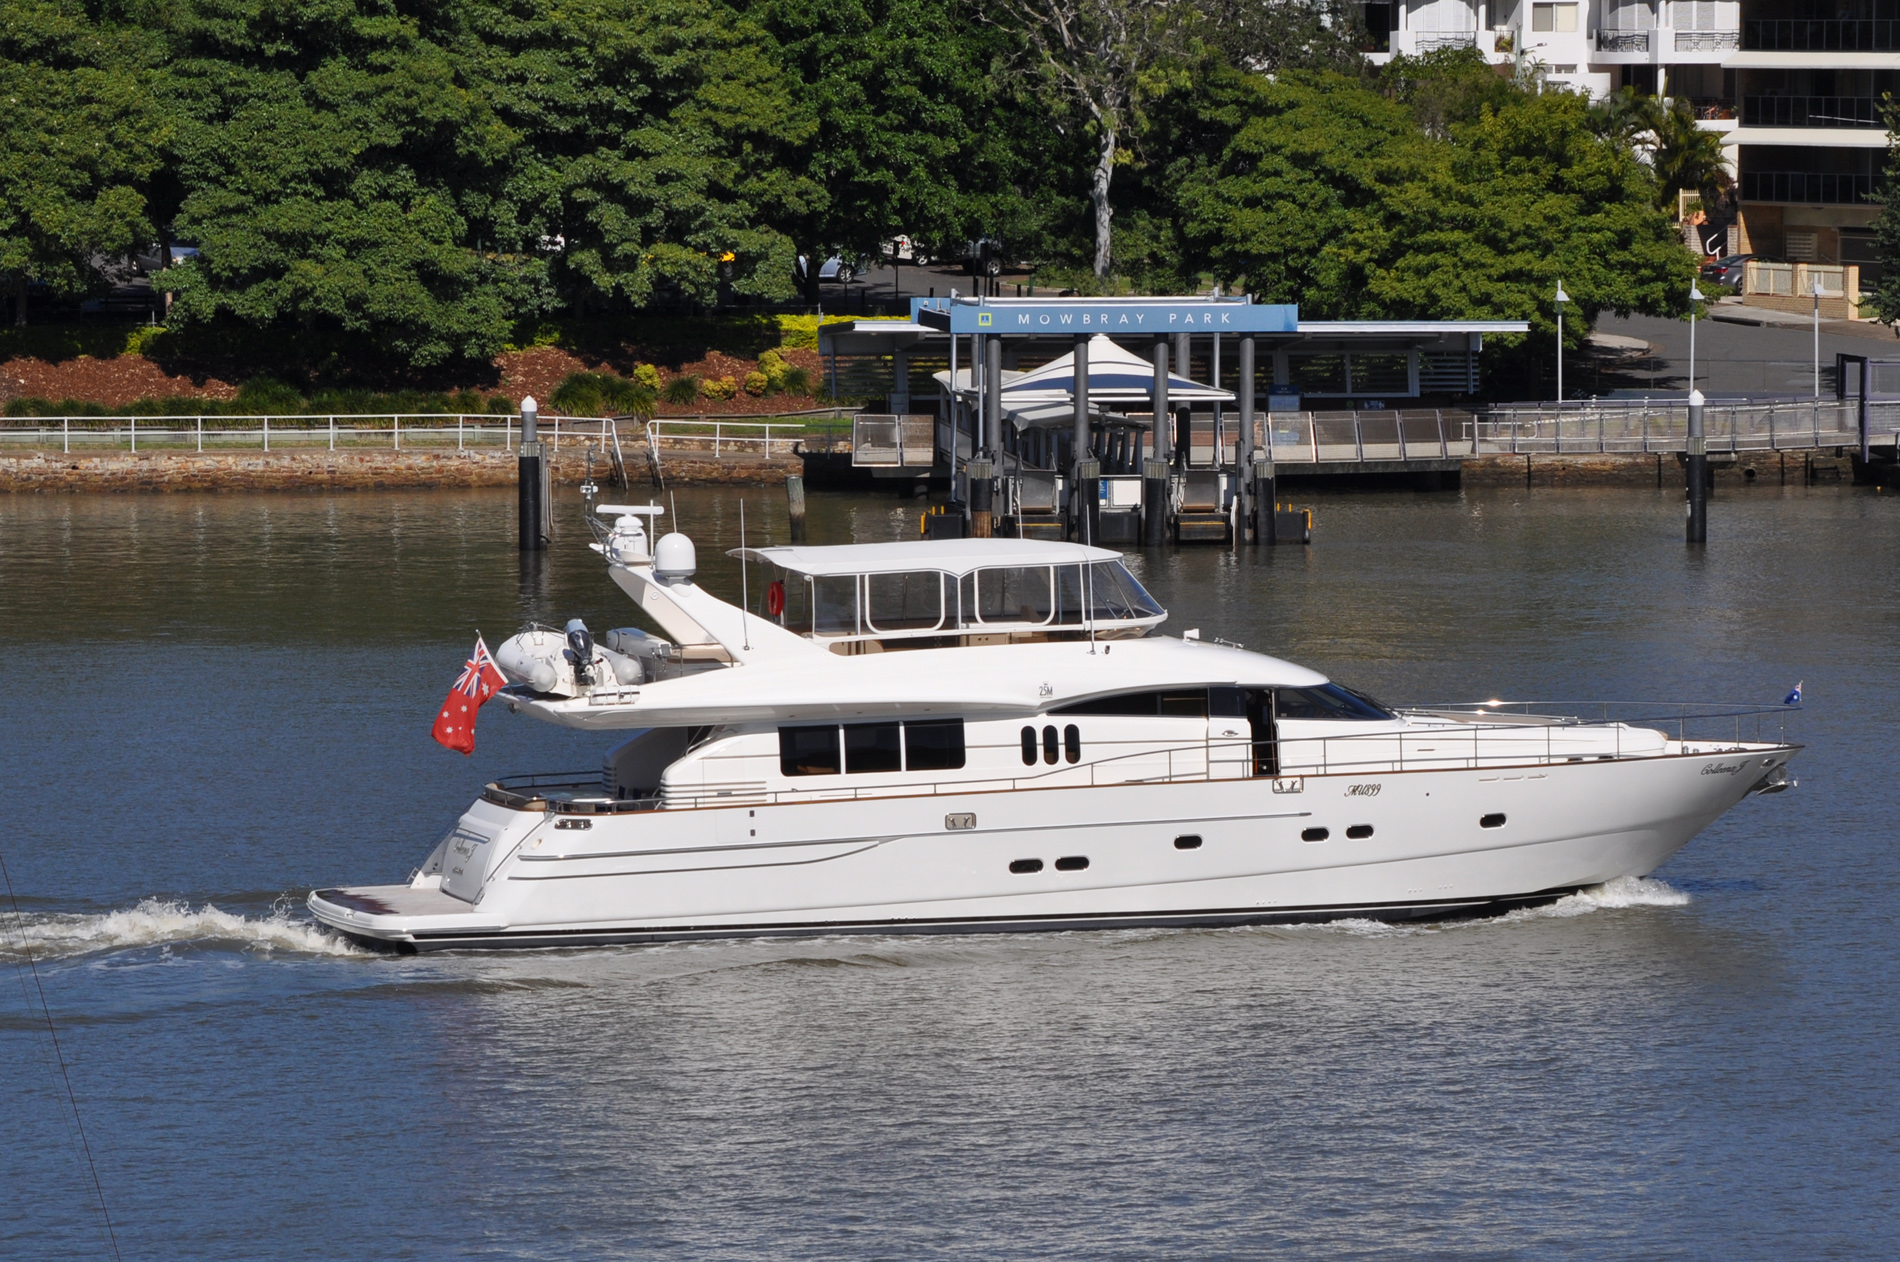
{"x": 480, "y": 677}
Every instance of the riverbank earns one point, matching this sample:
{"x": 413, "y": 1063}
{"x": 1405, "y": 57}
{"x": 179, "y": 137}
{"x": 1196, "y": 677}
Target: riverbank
{"x": 384, "y": 469}
{"x": 365, "y": 470}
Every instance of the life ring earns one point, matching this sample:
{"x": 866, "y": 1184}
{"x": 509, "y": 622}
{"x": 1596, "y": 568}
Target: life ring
{"x": 775, "y": 598}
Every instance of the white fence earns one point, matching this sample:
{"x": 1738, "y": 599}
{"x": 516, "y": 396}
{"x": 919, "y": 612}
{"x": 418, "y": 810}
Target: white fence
{"x": 397, "y": 432}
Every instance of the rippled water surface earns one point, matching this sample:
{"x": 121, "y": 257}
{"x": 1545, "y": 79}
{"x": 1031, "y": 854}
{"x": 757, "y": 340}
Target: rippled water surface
{"x": 214, "y": 703}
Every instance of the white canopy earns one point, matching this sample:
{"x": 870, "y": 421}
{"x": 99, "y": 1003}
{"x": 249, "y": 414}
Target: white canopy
{"x": 1116, "y": 375}
{"x": 951, "y": 556}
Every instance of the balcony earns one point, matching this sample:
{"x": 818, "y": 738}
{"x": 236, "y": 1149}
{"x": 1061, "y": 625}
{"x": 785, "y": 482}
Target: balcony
{"x": 1821, "y": 35}
{"x": 1622, "y": 41}
{"x": 1811, "y": 111}
{"x": 1707, "y": 41}
{"x": 1432, "y": 41}
{"x": 1810, "y": 188}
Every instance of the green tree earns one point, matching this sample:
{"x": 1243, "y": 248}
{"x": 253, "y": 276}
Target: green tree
{"x": 658, "y": 141}
{"x": 1315, "y": 190}
{"x": 78, "y": 136}
{"x": 1886, "y": 295}
{"x": 895, "y": 90}
{"x": 432, "y": 175}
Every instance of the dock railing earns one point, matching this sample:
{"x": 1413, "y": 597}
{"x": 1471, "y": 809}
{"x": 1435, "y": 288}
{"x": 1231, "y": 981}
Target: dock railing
{"x": 404, "y": 431}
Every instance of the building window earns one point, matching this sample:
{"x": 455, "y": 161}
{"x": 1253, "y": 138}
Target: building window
{"x": 1554, "y": 17}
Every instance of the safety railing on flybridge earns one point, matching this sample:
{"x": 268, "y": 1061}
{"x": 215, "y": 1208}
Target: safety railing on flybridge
{"x": 1487, "y": 735}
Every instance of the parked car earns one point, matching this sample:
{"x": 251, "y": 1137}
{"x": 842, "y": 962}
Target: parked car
{"x": 835, "y": 269}
{"x": 1729, "y": 270}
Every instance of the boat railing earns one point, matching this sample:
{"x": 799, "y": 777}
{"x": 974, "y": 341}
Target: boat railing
{"x": 1488, "y": 735}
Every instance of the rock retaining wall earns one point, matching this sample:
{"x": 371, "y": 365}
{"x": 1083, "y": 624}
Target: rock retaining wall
{"x": 346, "y": 470}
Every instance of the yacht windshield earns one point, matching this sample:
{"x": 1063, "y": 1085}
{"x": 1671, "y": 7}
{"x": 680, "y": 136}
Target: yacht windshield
{"x": 1326, "y": 701}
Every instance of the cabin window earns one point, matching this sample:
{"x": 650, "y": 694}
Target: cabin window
{"x": 834, "y": 604}
{"x": 1049, "y": 754}
{"x": 1029, "y": 747}
{"x": 1327, "y": 701}
{"x": 1174, "y": 702}
{"x": 1227, "y": 703}
{"x": 870, "y": 747}
{"x": 936, "y": 745}
{"x": 1072, "y": 743}
{"x": 1013, "y": 594}
{"x": 907, "y": 601}
{"x": 809, "y": 751}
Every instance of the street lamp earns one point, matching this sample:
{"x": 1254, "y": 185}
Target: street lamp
{"x": 1562, "y": 298}
{"x": 1695, "y": 296}
{"x": 1818, "y": 294}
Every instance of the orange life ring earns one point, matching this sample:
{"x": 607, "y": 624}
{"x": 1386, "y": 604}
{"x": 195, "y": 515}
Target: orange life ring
{"x": 775, "y": 598}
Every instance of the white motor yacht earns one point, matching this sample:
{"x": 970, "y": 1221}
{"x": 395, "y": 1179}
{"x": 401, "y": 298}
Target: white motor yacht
{"x": 991, "y": 734}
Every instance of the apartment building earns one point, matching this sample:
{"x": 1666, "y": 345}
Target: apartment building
{"x": 1795, "y": 87}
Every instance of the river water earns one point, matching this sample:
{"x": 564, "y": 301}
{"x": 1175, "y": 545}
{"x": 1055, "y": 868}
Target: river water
{"x": 215, "y": 703}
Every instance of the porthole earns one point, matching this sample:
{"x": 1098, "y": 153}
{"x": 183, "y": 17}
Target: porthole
{"x": 1072, "y": 743}
{"x": 1029, "y": 747}
{"x": 1023, "y": 867}
{"x": 1495, "y": 820}
{"x": 1359, "y": 832}
{"x": 1072, "y": 863}
{"x": 1189, "y": 842}
{"x": 1050, "y": 751}
{"x": 1315, "y": 834}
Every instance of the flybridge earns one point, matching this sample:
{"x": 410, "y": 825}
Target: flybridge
{"x": 1099, "y": 315}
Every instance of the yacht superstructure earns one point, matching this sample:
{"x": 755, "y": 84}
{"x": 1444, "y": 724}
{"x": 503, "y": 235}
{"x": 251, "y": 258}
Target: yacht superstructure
{"x": 989, "y": 734}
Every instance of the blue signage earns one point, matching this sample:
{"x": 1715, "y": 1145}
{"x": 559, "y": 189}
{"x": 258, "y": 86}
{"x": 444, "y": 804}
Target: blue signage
{"x": 1122, "y": 316}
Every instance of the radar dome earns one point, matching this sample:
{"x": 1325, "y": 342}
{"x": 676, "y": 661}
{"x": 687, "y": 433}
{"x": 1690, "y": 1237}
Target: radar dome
{"x": 674, "y": 558}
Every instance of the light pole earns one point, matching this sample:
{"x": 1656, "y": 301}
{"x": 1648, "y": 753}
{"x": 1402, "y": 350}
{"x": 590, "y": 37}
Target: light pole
{"x": 1562, "y": 298}
{"x": 1695, "y": 296}
{"x": 1817, "y": 336}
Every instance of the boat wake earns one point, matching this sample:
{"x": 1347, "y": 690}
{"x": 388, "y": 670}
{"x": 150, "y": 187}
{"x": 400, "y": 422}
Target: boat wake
{"x": 1612, "y": 895}
{"x": 1616, "y": 894}
{"x": 160, "y": 922}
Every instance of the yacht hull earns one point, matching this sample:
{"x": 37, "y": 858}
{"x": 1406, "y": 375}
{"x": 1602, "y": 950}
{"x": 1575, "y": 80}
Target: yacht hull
{"x": 1397, "y": 845}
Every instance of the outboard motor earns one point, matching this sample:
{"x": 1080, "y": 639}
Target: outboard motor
{"x": 580, "y": 651}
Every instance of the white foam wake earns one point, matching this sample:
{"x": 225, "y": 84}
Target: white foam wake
{"x": 1614, "y": 895}
{"x": 158, "y": 922}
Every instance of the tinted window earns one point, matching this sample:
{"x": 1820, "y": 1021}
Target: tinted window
{"x": 934, "y": 746}
{"x": 1327, "y": 701}
{"x": 1190, "y": 702}
{"x": 871, "y": 747}
{"x": 1029, "y": 747}
{"x": 1072, "y": 743}
{"x": 808, "y": 751}
{"x": 1230, "y": 703}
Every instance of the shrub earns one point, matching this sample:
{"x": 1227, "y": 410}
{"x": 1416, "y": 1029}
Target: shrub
{"x": 682, "y": 389}
{"x": 267, "y": 394}
{"x": 601, "y": 394}
{"x": 795, "y": 381}
{"x": 720, "y": 388}
{"x": 648, "y": 376}
{"x": 757, "y": 383}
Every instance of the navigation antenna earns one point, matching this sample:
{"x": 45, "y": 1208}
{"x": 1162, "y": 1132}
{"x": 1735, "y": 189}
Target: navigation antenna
{"x": 745, "y": 599}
